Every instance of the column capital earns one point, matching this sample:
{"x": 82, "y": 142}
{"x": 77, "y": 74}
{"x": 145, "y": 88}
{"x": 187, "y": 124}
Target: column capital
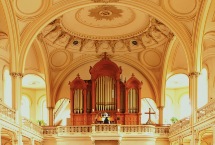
{"x": 196, "y": 74}
{"x": 15, "y": 74}
{"x": 49, "y": 108}
{"x": 160, "y": 107}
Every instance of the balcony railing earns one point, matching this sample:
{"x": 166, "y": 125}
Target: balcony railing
{"x": 8, "y": 113}
{"x": 106, "y": 128}
{"x": 31, "y": 127}
{"x": 180, "y": 126}
{"x": 206, "y": 111}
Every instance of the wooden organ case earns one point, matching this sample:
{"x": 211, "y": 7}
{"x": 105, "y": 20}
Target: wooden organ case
{"x": 105, "y": 93}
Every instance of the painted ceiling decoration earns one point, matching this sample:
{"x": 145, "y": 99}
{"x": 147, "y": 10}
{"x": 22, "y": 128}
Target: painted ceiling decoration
{"x": 106, "y": 28}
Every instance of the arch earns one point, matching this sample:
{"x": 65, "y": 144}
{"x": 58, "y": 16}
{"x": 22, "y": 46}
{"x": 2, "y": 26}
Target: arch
{"x": 153, "y": 10}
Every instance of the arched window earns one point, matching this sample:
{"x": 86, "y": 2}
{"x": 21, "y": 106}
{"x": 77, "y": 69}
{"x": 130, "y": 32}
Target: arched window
{"x": 43, "y": 114}
{"x": 168, "y": 110}
{"x": 7, "y": 88}
{"x": 185, "y": 107}
{"x": 203, "y": 88}
{"x": 25, "y": 106}
{"x": 147, "y": 103}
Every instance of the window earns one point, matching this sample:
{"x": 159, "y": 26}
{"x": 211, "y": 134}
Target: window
{"x": 43, "y": 114}
{"x": 25, "y": 106}
{"x": 7, "y": 88}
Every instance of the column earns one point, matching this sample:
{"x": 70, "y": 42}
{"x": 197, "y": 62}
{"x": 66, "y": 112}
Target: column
{"x": 160, "y": 114}
{"x": 193, "y": 93}
{"x": 51, "y": 120}
{"x": 16, "y": 95}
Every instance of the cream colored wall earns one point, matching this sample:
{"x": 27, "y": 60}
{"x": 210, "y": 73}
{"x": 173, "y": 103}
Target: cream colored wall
{"x": 34, "y": 95}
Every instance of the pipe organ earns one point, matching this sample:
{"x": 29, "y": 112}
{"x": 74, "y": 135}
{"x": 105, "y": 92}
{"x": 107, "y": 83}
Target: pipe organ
{"x": 105, "y": 93}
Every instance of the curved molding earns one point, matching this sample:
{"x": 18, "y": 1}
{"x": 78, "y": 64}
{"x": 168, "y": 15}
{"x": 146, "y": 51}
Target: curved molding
{"x": 146, "y": 60}
{"x": 13, "y": 35}
{"x": 34, "y": 14}
{"x": 60, "y": 63}
{"x": 199, "y": 32}
{"x": 187, "y": 13}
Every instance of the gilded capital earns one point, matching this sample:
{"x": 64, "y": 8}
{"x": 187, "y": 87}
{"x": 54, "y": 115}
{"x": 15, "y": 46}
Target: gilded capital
{"x": 196, "y": 74}
{"x": 15, "y": 74}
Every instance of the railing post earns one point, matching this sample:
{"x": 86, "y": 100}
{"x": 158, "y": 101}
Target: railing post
{"x": 118, "y": 128}
{"x": 93, "y": 128}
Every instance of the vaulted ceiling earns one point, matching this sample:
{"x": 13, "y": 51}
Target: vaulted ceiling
{"x": 153, "y": 39}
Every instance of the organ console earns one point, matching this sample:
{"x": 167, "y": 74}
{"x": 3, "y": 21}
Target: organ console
{"x": 105, "y": 93}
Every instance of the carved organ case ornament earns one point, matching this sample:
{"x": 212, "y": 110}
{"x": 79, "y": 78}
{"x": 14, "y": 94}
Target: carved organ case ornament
{"x": 105, "y": 93}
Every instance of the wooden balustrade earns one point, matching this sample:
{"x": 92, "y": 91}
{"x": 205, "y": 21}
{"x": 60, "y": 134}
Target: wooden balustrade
{"x": 7, "y": 112}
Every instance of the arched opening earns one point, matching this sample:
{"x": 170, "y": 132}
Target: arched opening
{"x": 168, "y": 110}
{"x": 147, "y": 103}
{"x": 202, "y": 88}
{"x": 7, "y": 87}
{"x": 25, "y": 106}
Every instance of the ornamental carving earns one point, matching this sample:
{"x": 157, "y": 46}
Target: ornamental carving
{"x": 14, "y": 74}
{"x": 106, "y": 12}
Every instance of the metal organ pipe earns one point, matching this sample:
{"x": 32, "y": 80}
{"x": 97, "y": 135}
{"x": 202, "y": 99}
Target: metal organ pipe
{"x": 105, "y": 94}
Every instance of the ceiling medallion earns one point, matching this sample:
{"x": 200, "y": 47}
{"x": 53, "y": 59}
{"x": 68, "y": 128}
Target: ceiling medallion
{"x": 105, "y": 12}
{"x": 105, "y": 1}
